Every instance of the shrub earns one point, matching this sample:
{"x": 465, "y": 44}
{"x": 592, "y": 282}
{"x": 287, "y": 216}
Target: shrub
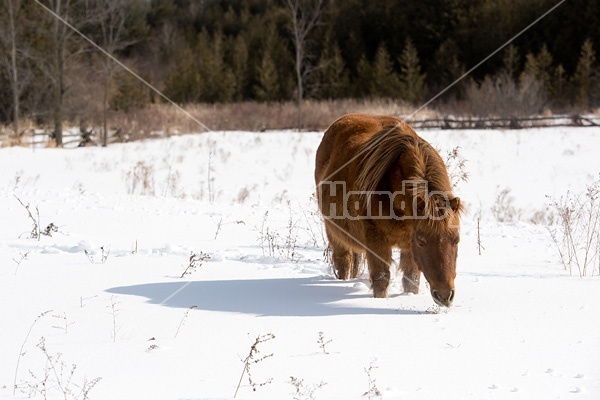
{"x": 577, "y": 237}
{"x": 501, "y": 96}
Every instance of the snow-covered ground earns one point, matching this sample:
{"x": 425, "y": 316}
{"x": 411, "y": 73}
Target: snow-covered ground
{"x": 104, "y": 294}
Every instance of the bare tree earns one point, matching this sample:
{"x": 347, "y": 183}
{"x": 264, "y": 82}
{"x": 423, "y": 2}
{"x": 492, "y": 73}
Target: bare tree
{"x": 53, "y": 61}
{"x": 60, "y": 56}
{"x": 112, "y": 31}
{"x": 11, "y": 29}
{"x": 304, "y": 17}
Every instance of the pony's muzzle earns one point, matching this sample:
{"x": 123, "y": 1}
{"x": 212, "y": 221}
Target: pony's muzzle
{"x": 443, "y": 300}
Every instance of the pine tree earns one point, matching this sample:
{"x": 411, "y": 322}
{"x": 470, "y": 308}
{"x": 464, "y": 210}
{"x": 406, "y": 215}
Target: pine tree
{"x": 511, "y": 61}
{"x": 539, "y": 67}
{"x": 412, "y": 80}
{"x": 128, "y": 92}
{"x": 531, "y": 66}
{"x": 239, "y": 61}
{"x": 447, "y": 68}
{"x": 559, "y": 82}
{"x": 546, "y": 70}
{"x": 218, "y": 81}
{"x": 585, "y": 78}
{"x": 184, "y": 80}
{"x": 385, "y": 81}
{"x": 267, "y": 88}
{"x": 364, "y": 78}
{"x": 332, "y": 75}
{"x": 273, "y": 69}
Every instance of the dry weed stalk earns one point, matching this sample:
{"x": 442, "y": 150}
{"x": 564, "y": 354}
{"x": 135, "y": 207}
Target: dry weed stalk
{"x": 64, "y": 323}
{"x": 103, "y": 256}
{"x": 21, "y": 352}
{"x": 185, "y": 315}
{"x": 322, "y": 342}
{"x": 195, "y": 262}
{"x": 291, "y": 238}
{"x": 274, "y": 245}
{"x": 35, "y": 229}
{"x": 268, "y": 238}
{"x": 504, "y": 209}
{"x": 114, "y": 311}
{"x": 36, "y": 233}
{"x": 373, "y": 390}
{"x": 83, "y": 299}
{"x": 318, "y": 237}
{"x": 456, "y": 165}
{"x": 142, "y": 176}
{"x": 252, "y": 359}
{"x": 18, "y": 262}
{"x": 210, "y": 178}
{"x": 58, "y": 375}
{"x": 220, "y": 225}
{"x": 479, "y": 245}
{"x": 302, "y": 392}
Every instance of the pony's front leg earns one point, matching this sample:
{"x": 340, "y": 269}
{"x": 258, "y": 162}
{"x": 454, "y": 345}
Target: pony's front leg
{"x": 379, "y": 259}
{"x": 411, "y": 274}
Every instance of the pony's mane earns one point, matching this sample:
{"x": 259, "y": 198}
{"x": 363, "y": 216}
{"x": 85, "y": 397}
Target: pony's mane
{"x": 383, "y": 151}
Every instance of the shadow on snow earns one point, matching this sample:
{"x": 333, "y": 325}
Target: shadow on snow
{"x": 301, "y": 297}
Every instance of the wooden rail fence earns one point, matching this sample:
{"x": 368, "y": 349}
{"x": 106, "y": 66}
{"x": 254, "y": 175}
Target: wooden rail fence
{"x": 507, "y": 123}
{"x": 77, "y": 137}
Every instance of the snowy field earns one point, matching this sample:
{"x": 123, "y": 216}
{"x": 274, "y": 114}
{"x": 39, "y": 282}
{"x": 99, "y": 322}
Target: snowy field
{"x": 99, "y": 309}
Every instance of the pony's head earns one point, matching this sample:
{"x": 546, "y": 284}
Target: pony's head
{"x": 434, "y": 246}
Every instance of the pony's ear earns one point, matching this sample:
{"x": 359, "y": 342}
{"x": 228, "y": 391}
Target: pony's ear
{"x": 455, "y": 204}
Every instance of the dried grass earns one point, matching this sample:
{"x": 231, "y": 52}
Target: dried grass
{"x": 163, "y": 119}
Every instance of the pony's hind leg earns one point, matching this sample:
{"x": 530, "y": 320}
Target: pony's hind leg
{"x": 412, "y": 275}
{"x": 355, "y": 265}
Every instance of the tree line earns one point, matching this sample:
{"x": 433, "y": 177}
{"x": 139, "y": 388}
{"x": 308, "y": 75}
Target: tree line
{"x": 215, "y": 51}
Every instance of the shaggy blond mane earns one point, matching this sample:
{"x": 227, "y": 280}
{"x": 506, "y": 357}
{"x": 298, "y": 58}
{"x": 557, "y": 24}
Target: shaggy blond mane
{"x": 384, "y": 150}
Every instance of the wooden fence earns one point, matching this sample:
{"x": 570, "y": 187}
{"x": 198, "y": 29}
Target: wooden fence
{"x": 76, "y": 137}
{"x": 507, "y": 123}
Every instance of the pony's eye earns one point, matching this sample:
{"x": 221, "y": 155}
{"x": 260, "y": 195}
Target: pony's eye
{"x": 421, "y": 242}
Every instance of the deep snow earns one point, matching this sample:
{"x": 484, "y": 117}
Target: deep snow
{"x": 521, "y": 327}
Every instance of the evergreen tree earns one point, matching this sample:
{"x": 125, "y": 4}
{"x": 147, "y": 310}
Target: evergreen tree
{"x": 332, "y": 76}
{"x": 447, "y": 68}
{"x": 271, "y": 60}
{"x": 218, "y": 81}
{"x": 546, "y": 69}
{"x": 128, "y": 92}
{"x": 385, "y": 82}
{"x": 239, "y": 63}
{"x": 267, "y": 87}
{"x": 560, "y": 79}
{"x": 585, "y": 78}
{"x": 412, "y": 80}
{"x": 364, "y": 78}
{"x": 511, "y": 61}
{"x": 184, "y": 80}
{"x": 539, "y": 67}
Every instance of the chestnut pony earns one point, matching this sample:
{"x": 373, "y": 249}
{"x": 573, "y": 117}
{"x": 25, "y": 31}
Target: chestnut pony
{"x": 380, "y": 186}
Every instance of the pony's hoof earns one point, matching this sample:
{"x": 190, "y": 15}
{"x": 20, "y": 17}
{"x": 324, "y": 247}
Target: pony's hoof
{"x": 380, "y": 294}
{"x": 410, "y": 291}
